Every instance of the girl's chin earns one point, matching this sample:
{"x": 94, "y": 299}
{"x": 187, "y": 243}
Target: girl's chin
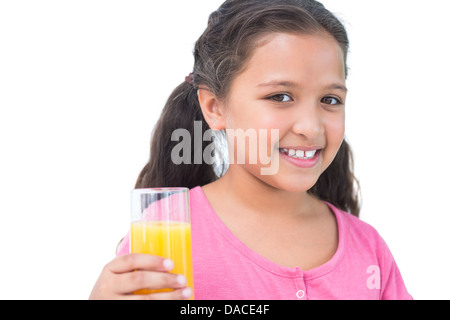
{"x": 297, "y": 188}
{"x": 283, "y": 179}
{"x": 300, "y": 185}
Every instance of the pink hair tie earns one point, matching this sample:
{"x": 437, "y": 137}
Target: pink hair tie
{"x": 189, "y": 79}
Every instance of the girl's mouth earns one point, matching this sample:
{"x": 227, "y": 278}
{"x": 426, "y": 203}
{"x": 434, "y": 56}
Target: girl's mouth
{"x": 301, "y": 157}
{"x": 299, "y": 154}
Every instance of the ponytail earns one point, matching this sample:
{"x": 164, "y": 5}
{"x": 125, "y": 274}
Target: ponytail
{"x": 180, "y": 112}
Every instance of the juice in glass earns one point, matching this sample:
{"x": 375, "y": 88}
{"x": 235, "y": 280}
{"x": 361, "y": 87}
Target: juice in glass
{"x": 169, "y": 239}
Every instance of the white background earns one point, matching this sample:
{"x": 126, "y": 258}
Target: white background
{"x": 83, "y": 82}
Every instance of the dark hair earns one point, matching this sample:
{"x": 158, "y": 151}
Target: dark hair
{"x": 220, "y": 54}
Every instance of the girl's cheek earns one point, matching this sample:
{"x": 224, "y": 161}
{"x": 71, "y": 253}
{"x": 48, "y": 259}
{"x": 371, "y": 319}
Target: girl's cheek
{"x": 335, "y": 124}
{"x": 335, "y": 132}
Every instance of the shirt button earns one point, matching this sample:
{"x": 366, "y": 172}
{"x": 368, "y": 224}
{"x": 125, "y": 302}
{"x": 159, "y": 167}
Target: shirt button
{"x": 300, "y": 294}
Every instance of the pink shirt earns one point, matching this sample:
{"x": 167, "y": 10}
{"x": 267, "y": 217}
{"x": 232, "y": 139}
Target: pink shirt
{"x": 225, "y": 268}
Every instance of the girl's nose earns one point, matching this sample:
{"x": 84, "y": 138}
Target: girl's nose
{"x": 308, "y": 121}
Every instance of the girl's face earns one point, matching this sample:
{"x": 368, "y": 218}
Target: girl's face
{"x": 295, "y": 84}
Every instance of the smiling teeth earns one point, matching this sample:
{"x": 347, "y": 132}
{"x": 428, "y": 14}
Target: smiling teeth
{"x": 299, "y": 154}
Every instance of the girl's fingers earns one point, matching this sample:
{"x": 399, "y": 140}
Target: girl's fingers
{"x": 130, "y": 273}
{"x": 130, "y": 282}
{"x": 137, "y": 261}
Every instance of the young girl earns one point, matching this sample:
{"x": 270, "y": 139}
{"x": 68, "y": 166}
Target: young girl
{"x": 264, "y": 65}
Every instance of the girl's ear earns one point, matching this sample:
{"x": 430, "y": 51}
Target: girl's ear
{"x": 212, "y": 109}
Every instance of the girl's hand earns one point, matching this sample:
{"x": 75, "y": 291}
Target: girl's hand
{"x": 129, "y": 273}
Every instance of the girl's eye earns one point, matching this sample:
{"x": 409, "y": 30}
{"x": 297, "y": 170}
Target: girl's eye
{"x": 280, "y": 98}
{"x": 330, "y": 101}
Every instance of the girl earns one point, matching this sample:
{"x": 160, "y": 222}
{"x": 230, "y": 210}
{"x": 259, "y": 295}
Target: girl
{"x": 264, "y": 65}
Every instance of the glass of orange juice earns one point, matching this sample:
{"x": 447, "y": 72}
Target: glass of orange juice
{"x": 160, "y": 225}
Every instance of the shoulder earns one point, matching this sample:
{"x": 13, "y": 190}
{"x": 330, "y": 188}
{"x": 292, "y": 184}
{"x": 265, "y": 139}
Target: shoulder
{"x": 363, "y": 243}
{"x": 358, "y": 227}
{"x": 197, "y": 199}
{"x": 195, "y": 193}
{"x": 366, "y": 251}
{"x": 358, "y": 233}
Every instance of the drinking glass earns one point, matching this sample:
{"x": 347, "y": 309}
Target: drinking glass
{"x": 160, "y": 225}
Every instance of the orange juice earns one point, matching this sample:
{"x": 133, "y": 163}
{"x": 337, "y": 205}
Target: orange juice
{"x": 168, "y": 239}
